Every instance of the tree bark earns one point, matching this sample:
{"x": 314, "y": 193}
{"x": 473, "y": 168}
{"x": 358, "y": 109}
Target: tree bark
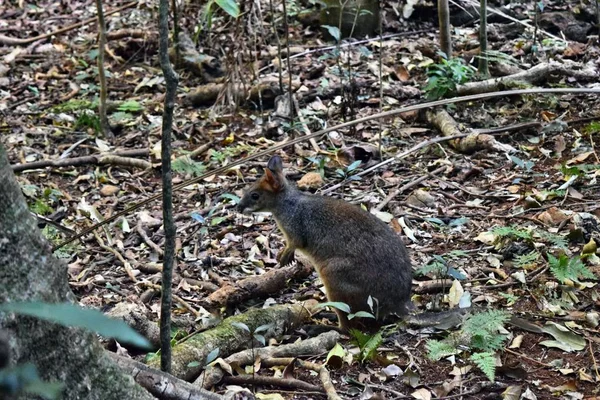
{"x": 29, "y": 272}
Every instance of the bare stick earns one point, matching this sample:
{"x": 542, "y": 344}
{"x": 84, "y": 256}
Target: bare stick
{"x": 444, "y": 22}
{"x": 104, "y": 125}
{"x": 171, "y": 80}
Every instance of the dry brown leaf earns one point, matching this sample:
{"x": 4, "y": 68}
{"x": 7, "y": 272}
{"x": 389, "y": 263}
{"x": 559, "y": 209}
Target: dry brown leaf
{"x": 108, "y": 190}
{"x": 552, "y": 216}
{"x": 580, "y": 158}
{"x": 311, "y": 180}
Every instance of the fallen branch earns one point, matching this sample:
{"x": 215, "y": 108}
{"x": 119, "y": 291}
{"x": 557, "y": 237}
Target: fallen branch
{"x": 189, "y": 357}
{"x": 188, "y": 57}
{"x": 206, "y": 95}
{"x": 161, "y": 384}
{"x": 256, "y": 286}
{"x": 7, "y": 40}
{"x": 309, "y": 347}
{"x": 129, "y": 33}
{"x": 178, "y": 299}
{"x": 135, "y": 316}
{"x": 473, "y": 142}
{"x": 97, "y": 159}
{"x": 140, "y": 230}
{"x": 433, "y": 286}
{"x": 324, "y": 376}
{"x": 286, "y": 383}
{"x": 538, "y": 74}
{"x": 409, "y": 185}
{"x": 396, "y": 157}
{"x": 118, "y": 256}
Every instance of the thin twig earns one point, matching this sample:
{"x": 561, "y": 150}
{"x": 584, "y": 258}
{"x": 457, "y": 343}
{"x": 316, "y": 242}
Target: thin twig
{"x": 409, "y": 185}
{"x": 397, "y": 157}
{"x": 118, "y": 255}
{"x": 178, "y": 299}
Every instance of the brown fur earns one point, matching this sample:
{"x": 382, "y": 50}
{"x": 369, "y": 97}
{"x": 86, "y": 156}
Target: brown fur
{"x": 355, "y": 254}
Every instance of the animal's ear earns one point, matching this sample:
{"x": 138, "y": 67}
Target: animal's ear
{"x": 275, "y": 164}
{"x": 272, "y": 181}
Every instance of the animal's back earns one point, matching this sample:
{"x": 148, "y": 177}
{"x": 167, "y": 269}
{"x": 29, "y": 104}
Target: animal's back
{"x": 356, "y": 254}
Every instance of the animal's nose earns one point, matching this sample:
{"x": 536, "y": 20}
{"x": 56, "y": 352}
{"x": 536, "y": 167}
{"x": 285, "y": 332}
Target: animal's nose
{"x": 241, "y": 206}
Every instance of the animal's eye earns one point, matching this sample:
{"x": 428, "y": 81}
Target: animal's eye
{"x": 254, "y": 196}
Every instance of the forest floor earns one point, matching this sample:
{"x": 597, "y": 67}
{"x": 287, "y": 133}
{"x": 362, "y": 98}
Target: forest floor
{"x": 505, "y": 230}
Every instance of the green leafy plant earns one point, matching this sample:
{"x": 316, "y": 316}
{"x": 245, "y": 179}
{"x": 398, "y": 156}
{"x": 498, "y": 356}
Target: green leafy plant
{"x": 436, "y": 349}
{"x": 526, "y": 165}
{"x": 254, "y": 335}
{"x": 440, "y": 268}
{"x": 483, "y": 329}
{"x": 481, "y": 334}
{"x": 43, "y": 202}
{"x": 443, "y": 78}
{"x": 565, "y": 268}
{"x": 367, "y": 344}
{"x": 593, "y": 127}
{"x": 185, "y": 165}
{"x": 510, "y": 298}
{"x": 553, "y": 239}
{"x": 350, "y": 171}
{"x": 229, "y": 6}
{"x": 295, "y": 125}
{"x": 88, "y": 120}
{"x": 226, "y": 153}
{"x": 371, "y": 301}
{"x": 319, "y": 163}
{"x": 72, "y": 315}
{"x": 486, "y": 361}
{"x": 500, "y": 57}
{"x": 516, "y": 233}
{"x": 74, "y": 105}
{"x": 130, "y": 106}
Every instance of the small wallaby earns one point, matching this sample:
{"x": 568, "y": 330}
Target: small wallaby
{"x": 355, "y": 253}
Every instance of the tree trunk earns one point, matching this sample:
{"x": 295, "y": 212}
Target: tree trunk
{"x": 29, "y": 272}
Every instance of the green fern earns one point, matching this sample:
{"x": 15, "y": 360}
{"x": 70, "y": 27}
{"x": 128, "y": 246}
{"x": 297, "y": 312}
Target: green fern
{"x": 486, "y": 362}
{"x": 488, "y": 342}
{"x": 512, "y": 231}
{"x": 437, "y": 350}
{"x": 572, "y": 269}
{"x": 528, "y": 259}
{"x": 480, "y": 332}
{"x": 483, "y": 328}
{"x": 367, "y": 344}
{"x": 555, "y": 240}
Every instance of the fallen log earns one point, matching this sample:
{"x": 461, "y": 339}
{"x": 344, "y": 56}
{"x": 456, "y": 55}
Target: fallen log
{"x": 256, "y": 286}
{"x": 189, "y": 357}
